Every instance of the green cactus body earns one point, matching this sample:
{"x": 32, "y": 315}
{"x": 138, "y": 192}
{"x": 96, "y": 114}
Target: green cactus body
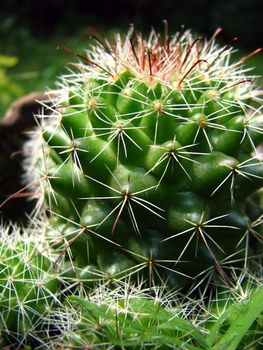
{"x": 28, "y": 290}
{"x": 148, "y": 168}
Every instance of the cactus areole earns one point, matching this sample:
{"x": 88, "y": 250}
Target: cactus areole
{"x": 149, "y": 165}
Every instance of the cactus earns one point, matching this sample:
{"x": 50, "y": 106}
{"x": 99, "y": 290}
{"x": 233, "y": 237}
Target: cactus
{"x": 148, "y": 227}
{"x": 28, "y": 290}
{"x": 148, "y": 164}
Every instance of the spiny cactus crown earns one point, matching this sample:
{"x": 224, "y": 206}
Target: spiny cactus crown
{"x": 148, "y": 162}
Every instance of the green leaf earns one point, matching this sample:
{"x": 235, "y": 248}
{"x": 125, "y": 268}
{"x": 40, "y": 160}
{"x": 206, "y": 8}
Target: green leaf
{"x": 8, "y": 61}
{"x": 248, "y": 311}
{"x": 142, "y": 321}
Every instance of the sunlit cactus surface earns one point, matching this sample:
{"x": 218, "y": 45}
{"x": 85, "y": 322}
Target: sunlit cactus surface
{"x": 148, "y": 163}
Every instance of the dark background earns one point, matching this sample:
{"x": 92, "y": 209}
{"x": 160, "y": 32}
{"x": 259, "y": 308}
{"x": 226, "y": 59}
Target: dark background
{"x": 24, "y": 19}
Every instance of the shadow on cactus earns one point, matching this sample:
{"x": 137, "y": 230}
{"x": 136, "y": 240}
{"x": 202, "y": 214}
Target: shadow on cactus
{"x": 148, "y": 163}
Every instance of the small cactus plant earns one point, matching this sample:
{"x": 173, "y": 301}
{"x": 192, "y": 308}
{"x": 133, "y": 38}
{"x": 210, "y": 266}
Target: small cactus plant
{"x": 28, "y": 290}
{"x": 148, "y": 163}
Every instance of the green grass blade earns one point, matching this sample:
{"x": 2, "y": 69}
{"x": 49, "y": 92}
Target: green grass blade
{"x": 249, "y": 310}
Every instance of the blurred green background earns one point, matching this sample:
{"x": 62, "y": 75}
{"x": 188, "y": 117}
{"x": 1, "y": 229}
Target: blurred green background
{"x": 30, "y": 32}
